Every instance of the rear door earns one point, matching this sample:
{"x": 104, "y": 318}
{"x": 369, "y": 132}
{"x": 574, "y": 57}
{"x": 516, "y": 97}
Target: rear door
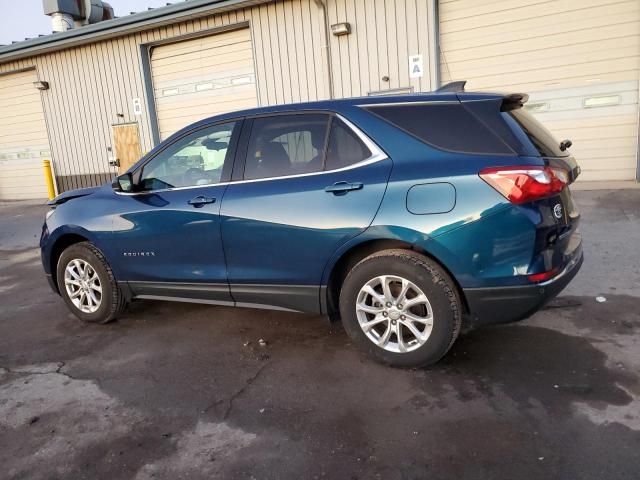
{"x": 309, "y": 183}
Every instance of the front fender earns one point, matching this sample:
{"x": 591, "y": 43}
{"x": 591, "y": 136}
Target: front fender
{"x": 50, "y": 239}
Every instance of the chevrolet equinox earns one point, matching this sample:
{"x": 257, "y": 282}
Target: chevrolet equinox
{"x": 406, "y": 217}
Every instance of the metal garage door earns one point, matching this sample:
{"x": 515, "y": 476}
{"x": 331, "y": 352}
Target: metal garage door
{"x": 578, "y": 59}
{"x": 195, "y": 79}
{"x": 23, "y": 138}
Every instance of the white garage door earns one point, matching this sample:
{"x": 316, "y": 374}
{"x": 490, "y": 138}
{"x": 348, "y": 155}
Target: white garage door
{"x": 23, "y": 138}
{"x": 578, "y": 59}
{"x": 199, "y": 78}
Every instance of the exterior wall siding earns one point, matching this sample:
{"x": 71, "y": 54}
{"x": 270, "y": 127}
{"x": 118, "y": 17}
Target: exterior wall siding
{"x": 92, "y": 86}
{"x": 384, "y": 34}
{"x": 563, "y": 53}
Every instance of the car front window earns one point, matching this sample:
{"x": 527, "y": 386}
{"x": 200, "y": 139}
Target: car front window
{"x": 197, "y": 159}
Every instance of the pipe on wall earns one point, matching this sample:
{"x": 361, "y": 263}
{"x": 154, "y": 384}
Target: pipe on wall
{"x": 638, "y": 140}
{"x": 435, "y": 15}
{"x": 322, "y": 4}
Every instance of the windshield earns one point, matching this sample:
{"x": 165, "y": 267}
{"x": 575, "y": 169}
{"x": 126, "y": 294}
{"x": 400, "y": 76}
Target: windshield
{"x": 541, "y": 138}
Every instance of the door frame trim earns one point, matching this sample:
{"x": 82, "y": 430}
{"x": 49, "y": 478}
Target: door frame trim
{"x": 377, "y": 155}
{"x": 226, "y": 168}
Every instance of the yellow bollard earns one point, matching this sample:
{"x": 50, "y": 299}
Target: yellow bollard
{"x": 48, "y": 177}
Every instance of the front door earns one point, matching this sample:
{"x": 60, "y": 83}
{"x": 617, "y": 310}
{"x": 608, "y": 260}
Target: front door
{"x": 168, "y": 231}
{"x": 310, "y": 182}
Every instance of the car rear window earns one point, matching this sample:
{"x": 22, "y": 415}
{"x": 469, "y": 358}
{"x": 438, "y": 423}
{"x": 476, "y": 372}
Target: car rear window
{"x": 541, "y": 138}
{"x": 286, "y": 145}
{"x": 447, "y": 126}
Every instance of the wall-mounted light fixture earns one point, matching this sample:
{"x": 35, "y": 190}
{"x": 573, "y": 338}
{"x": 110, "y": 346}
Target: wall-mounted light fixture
{"x": 339, "y": 29}
{"x": 41, "y": 85}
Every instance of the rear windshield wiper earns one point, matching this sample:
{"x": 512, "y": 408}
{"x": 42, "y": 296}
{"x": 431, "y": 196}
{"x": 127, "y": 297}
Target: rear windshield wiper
{"x": 565, "y": 144}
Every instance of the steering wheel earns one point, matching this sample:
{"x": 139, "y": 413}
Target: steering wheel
{"x": 194, "y": 176}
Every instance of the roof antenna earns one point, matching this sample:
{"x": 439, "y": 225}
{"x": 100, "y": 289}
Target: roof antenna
{"x": 453, "y": 87}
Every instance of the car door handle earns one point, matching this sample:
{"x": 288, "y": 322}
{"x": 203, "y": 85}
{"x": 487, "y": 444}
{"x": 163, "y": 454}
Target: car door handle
{"x": 201, "y": 200}
{"x": 340, "y": 188}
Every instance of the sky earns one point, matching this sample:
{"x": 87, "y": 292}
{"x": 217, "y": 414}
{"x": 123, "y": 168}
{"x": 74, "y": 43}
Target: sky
{"x": 25, "y": 18}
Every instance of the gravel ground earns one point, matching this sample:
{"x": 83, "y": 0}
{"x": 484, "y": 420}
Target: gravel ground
{"x": 176, "y": 391}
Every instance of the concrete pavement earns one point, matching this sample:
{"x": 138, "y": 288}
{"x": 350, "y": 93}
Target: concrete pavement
{"x": 186, "y": 391}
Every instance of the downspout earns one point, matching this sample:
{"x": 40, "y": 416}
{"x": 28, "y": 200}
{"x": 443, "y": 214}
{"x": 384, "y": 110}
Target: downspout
{"x": 322, "y": 4}
{"x": 435, "y": 14}
{"x": 638, "y": 140}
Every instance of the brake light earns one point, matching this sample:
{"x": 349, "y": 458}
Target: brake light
{"x": 525, "y": 184}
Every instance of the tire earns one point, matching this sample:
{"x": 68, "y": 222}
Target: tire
{"x": 420, "y": 275}
{"x": 111, "y": 302}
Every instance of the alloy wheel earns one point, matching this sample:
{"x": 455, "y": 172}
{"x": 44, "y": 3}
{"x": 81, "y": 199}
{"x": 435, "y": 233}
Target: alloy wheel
{"x": 83, "y": 285}
{"x": 394, "y": 313}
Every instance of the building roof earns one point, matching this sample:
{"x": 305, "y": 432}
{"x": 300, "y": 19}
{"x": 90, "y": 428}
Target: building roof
{"x": 169, "y": 14}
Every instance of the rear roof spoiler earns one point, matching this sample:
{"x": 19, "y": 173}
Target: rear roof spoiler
{"x": 513, "y": 101}
{"x": 510, "y": 101}
{"x": 453, "y": 87}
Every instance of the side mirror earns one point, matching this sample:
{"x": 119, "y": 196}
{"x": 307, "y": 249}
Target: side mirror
{"x": 123, "y": 183}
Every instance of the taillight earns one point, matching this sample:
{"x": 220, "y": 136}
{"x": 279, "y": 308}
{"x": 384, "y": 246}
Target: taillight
{"x": 527, "y": 183}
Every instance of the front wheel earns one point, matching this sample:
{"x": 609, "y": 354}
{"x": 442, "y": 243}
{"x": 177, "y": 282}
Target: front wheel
{"x": 87, "y": 285}
{"x": 401, "y": 307}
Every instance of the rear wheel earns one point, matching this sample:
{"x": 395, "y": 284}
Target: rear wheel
{"x": 401, "y": 307}
{"x": 87, "y": 285}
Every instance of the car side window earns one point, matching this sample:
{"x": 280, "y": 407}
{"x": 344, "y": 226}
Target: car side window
{"x": 286, "y": 145}
{"x": 197, "y": 159}
{"x": 447, "y": 126}
{"x": 344, "y": 148}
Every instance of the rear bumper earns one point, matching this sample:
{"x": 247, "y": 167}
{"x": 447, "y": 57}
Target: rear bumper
{"x": 495, "y": 305}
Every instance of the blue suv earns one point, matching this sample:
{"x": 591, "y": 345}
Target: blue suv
{"x": 407, "y": 217}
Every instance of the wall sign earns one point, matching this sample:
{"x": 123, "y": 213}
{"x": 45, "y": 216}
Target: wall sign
{"x": 416, "y": 67}
{"x": 137, "y": 106}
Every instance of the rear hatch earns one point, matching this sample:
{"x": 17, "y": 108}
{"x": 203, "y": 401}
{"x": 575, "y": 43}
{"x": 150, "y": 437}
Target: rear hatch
{"x": 558, "y": 241}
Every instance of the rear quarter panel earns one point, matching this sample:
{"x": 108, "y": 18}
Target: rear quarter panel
{"x": 483, "y": 240}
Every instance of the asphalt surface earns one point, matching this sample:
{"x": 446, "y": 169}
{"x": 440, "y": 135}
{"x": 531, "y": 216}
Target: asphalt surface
{"x": 186, "y": 391}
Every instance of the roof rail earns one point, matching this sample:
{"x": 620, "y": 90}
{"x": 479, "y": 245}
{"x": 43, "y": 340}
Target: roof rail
{"x": 453, "y": 87}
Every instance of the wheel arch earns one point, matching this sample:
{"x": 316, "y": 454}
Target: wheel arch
{"x": 351, "y": 256}
{"x": 63, "y": 242}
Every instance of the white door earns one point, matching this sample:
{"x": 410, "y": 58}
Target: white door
{"x": 23, "y": 138}
{"x": 579, "y": 60}
{"x": 206, "y": 76}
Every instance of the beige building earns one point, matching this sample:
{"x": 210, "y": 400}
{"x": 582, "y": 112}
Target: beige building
{"x": 100, "y": 95}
